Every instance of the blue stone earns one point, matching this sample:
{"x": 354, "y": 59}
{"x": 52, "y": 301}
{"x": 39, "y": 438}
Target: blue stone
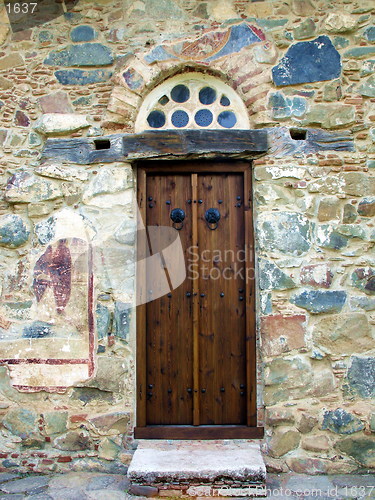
{"x": 299, "y": 106}
{"x": 366, "y": 303}
{"x": 327, "y": 237}
{"x": 73, "y": 17}
{"x": 305, "y": 62}
{"x": 13, "y": 231}
{"x": 335, "y": 241}
{"x": 320, "y": 301}
{"x": 288, "y": 232}
{"x": 45, "y": 36}
{"x": 160, "y": 9}
{"x": 122, "y": 319}
{"x": 341, "y": 422}
{"x": 35, "y": 139}
{"x": 9, "y": 464}
{"x": 340, "y": 42}
{"x": 272, "y": 277}
{"x": 103, "y": 321}
{"x": 359, "y": 52}
{"x": 37, "y": 330}
{"x": 83, "y": 33}
{"x": 368, "y": 87}
{"x": 265, "y": 303}
{"x": 363, "y": 278}
{"x": 370, "y": 33}
{"x": 360, "y": 378}
{"x": 280, "y": 106}
{"x": 351, "y": 231}
{"x": 368, "y": 68}
{"x": 86, "y": 54}
{"x": 284, "y": 107}
{"x": 82, "y": 101}
{"x": 270, "y": 24}
{"x": 45, "y": 231}
{"x": 80, "y": 77}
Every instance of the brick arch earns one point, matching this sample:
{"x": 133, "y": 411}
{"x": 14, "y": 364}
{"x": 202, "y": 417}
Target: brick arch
{"x": 240, "y": 56}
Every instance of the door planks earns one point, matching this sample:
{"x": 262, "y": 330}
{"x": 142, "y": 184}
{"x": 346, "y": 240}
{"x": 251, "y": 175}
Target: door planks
{"x": 196, "y": 359}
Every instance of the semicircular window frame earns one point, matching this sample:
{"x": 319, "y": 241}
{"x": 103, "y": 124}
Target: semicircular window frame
{"x": 160, "y": 99}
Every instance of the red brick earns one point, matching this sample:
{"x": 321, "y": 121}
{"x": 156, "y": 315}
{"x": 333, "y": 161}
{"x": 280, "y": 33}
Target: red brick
{"x": 256, "y": 97}
{"x": 78, "y": 418}
{"x": 64, "y": 459}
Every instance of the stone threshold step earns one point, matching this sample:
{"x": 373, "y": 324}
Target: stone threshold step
{"x": 227, "y": 468}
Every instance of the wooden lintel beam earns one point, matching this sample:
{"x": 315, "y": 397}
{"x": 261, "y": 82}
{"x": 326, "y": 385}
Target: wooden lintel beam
{"x": 176, "y": 144}
{"x": 153, "y": 144}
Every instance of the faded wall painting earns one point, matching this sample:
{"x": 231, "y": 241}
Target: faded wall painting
{"x": 55, "y": 343}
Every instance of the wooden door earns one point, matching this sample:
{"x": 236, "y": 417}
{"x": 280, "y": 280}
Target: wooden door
{"x": 196, "y": 342}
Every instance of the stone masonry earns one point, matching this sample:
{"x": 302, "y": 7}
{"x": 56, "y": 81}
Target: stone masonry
{"x": 67, "y": 231}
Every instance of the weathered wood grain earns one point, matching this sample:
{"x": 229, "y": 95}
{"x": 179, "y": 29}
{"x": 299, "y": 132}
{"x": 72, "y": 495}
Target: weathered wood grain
{"x": 176, "y": 144}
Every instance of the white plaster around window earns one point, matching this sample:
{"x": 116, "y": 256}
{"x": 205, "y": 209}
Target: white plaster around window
{"x": 195, "y": 82}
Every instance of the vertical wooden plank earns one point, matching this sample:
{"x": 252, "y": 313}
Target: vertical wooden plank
{"x": 169, "y": 312}
{"x": 141, "y": 290}
{"x": 195, "y": 280}
{"x": 222, "y": 313}
{"x": 250, "y": 304}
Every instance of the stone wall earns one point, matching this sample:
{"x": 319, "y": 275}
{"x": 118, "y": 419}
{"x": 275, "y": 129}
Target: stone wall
{"x": 67, "y": 317}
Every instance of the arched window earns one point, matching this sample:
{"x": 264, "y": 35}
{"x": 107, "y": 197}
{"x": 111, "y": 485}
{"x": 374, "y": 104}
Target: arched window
{"x": 192, "y": 101}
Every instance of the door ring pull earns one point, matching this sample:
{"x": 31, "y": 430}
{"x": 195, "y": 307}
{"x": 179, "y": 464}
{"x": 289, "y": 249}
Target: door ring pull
{"x": 212, "y": 216}
{"x": 178, "y": 216}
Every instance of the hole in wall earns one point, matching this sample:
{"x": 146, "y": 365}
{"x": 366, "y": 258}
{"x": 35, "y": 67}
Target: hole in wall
{"x": 298, "y": 134}
{"x": 102, "y": 144}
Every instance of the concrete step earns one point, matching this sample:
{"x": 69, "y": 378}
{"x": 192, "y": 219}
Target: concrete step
{"x": 199, "y": 468}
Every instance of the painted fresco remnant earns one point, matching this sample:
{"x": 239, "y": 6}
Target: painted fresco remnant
{"x": 210, "y": 46}
{"x": 54, "y": 344}
{"x": 53, "y": 269}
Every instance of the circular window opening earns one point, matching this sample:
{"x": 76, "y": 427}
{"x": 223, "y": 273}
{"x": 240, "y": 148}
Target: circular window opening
{"x": 180, "y": 118}
{"x": 207, "y": 95}
{"x": 227, "y": 119}
{"x": 180, "y": 93}
{"x": 156, "y": 119}
{"x": 224, "y": 101}
{"x": 203, "y": 117}
{"x": 192, "y": 100}
{"x": 164, "y": 100}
